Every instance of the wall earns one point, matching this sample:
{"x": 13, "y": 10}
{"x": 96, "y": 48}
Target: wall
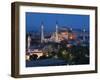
{"x": 5, "y": 40}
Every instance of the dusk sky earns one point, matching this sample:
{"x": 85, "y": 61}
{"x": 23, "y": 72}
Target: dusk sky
{"x": 35, "y": 20}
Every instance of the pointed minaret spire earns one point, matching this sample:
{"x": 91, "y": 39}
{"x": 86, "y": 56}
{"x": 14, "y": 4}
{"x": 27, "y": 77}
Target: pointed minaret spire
{"x": 56, "y": 32}
{"x": 71, "y": 28}
{"x": 84, "y": 34}
{"x": 28, "y": 43}
{"x": 42, "y": 32}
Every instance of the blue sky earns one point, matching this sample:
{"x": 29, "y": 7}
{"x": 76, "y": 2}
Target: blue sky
{"x": 35, "y": 20}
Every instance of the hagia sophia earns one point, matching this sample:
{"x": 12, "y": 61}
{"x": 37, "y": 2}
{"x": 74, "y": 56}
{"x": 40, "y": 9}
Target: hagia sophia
{"x": 59, "y": 35}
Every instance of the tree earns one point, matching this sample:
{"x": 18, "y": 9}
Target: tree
{"x": 65, "y": 55}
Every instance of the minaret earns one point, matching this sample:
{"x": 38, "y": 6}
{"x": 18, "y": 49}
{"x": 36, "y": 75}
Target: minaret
{"x": 28, "y": 43}
{"x": 84, "y": 34}
{"x": 71, "y": 29}
{"x": 42, "y": 33}
{"x": 56, "y": 32}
